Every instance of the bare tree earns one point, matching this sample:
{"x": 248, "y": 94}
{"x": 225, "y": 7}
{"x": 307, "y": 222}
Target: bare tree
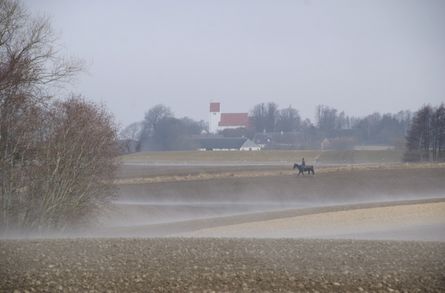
{"x": 326, "y": 118}
{"x": 272, "y": 115}
{"x": 438, "y": 132}
{"x": 152, "y": 119}
{"x": 29, "y": 59}
{"x": 19, "y": 127}
{"x": 259, "y": 114}
{"x": 440, "y": 138}
{"x": 76, "y": 164}
{"x": 130, "y": 137}
{"x": 28, "y": 64}
{"x": 176, "y": 134}
{"x": 288, "y": 120}
{"x": 66, "y": 171}
{"x": 56, "y": 160}
{"x": 418, "y": 140}
{"x": 132, "y": 131}
{"x": 424, "y": 117}
{"x": 264, "y": 117}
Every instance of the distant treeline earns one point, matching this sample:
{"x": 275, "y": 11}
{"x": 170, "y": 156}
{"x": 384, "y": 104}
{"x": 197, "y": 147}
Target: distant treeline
{"x": 342, "y": 131}
{"x": 161, "y": 131}
{"x": 426, "y": 137}
{"x": 274, "y": 128}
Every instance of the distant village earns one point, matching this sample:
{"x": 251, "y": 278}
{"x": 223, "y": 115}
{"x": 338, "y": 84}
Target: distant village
{"x": 265, "y": 127}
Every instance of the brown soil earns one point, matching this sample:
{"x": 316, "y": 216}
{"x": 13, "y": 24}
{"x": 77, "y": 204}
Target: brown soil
{"x": 252, "y": 265}
{"x": 336, "y": 186}
{"x": 223, "y": 265}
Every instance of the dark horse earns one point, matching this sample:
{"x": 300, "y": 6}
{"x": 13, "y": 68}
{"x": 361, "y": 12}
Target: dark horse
{"x": 302, "y": 169}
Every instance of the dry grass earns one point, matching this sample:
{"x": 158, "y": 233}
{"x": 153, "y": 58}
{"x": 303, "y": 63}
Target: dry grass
{"x": 361, "y": 157}
{"x": 311, "y": 156}
{"x": 275, "y": 172}
{"x": 221, "y": 156}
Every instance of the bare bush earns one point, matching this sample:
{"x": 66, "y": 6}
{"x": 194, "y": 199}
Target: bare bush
{"x": 56, "y": 158}
{"x": 66, "y": 172}
{"x": 75, "y": 167}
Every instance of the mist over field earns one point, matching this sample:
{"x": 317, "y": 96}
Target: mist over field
{"x": 222, "y": 146}
{"x": 193, "y": 192}
{"x": 244, "y": 227}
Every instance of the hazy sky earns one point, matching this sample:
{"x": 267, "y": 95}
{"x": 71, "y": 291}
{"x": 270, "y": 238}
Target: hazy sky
{"x": 357, "y": 56}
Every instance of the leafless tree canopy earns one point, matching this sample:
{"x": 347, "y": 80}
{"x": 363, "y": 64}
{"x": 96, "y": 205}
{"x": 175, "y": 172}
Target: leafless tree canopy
{"x": 161, "y": 131}
{"x": 264, "y": 117}
{"x": 28, "y": 55}
{"x": 56, "y": 158}
{"x": 426, "y": 137}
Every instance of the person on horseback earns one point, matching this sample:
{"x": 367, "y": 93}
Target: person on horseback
{"x": 304, "y": 168}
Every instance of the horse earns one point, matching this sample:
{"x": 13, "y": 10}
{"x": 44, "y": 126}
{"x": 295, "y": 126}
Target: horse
{"x": 302, "y": 169}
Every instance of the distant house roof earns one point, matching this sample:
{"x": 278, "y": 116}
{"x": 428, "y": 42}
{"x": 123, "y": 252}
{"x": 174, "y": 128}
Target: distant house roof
{"x": 221, "y": 143}
{"x": 234, "y": 119}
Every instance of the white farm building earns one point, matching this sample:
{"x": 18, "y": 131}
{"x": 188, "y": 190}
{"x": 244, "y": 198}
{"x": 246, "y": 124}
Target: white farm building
{"x": 227, "y": 144}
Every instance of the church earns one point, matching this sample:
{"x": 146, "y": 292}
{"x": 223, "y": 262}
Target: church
{"x": 219, "y": 121}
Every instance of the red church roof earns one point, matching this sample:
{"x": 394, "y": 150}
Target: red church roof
{"x": 234, "y": 119}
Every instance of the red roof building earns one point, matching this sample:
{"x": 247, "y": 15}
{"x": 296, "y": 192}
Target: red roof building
{"x": 234, "y": 120}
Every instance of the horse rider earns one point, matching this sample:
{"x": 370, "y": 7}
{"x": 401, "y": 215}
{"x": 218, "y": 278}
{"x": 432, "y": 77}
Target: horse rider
{"x": 303, "y": 163}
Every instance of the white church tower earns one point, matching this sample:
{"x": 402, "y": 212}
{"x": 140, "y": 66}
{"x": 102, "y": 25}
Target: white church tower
{"x": 215, "y": 117}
